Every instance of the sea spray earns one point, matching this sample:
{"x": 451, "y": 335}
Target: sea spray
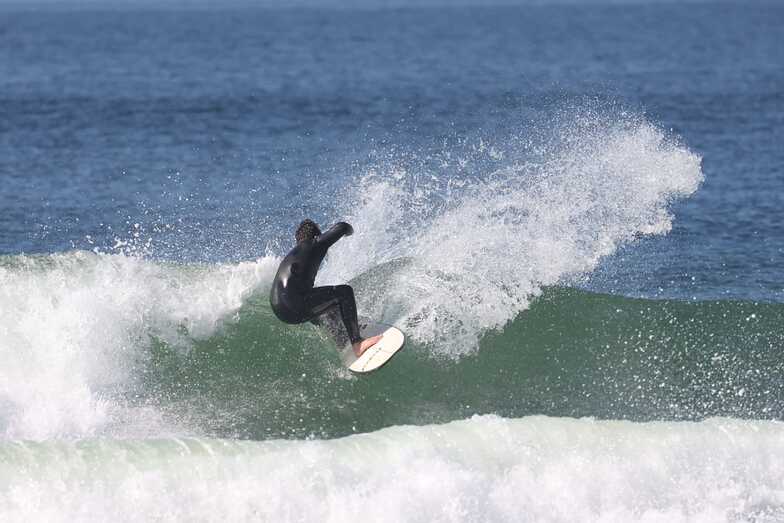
{"x": 479, "y": 245}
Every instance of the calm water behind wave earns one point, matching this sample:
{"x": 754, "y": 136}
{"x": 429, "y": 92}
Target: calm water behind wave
{"x": 210, "y": 132}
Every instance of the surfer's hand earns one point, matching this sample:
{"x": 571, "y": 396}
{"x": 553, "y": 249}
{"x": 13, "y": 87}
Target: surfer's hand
{"x": 349, "y": 228}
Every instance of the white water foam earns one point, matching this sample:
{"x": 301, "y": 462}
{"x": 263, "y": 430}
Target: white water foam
{"x": 478, "y": 247}
{"x": 481, "y": 469}
{"x": 74, "y": 325}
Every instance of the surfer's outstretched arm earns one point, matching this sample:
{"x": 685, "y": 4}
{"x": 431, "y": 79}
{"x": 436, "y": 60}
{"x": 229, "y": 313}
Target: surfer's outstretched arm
{"x": 333, "y": 234}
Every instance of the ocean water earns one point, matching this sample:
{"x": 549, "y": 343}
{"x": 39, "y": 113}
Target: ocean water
{"x": 572, "y": 211}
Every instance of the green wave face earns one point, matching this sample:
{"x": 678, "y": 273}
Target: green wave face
{"x": 573, "y": 353}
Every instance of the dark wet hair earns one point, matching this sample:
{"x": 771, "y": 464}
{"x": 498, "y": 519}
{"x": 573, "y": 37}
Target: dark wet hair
{"x": 307, "y": 230}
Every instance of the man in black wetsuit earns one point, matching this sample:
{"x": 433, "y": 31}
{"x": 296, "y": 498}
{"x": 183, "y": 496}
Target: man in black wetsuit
{"x": 293, "y": 297}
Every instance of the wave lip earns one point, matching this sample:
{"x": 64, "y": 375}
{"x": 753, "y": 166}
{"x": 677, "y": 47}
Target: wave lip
{"x": 480, "y": 469}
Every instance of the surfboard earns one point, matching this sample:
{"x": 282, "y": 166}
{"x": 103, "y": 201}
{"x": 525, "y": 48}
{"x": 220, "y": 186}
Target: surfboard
{"x": 377, "y": 355}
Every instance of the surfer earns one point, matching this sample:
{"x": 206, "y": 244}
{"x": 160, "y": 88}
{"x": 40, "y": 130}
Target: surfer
{"x": 293, "y": 297}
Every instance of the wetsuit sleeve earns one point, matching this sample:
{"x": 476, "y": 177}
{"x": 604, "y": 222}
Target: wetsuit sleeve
{"x": 334, "y": 233}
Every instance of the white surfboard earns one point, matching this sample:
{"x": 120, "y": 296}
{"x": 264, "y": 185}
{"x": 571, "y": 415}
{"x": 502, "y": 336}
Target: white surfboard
{"x": 377, "y": 355}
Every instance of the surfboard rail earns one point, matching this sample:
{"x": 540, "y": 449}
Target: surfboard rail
{"x": 379, "y": 354}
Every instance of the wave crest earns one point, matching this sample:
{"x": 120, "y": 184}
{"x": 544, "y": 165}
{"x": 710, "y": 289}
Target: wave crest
{"x": 78, "y": 323}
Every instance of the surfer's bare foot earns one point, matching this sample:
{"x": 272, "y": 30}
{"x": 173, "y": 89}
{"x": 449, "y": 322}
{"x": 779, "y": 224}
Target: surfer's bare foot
{"x": 363, "y": 345}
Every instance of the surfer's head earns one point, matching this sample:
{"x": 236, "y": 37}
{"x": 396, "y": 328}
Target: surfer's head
{"x": 307, "y": 230}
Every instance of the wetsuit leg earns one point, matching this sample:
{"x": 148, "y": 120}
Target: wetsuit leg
{"x": 319, "y": 299}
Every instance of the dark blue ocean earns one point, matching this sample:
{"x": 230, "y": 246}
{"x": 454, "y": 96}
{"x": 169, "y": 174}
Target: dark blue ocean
{"x": 224, "y": 127}
{"x": 572, "y": 210}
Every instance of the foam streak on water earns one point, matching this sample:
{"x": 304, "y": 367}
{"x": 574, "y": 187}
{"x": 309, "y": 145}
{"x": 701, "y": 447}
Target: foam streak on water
{"x": 481, "y": 469}
{"x": 550, "y": 209}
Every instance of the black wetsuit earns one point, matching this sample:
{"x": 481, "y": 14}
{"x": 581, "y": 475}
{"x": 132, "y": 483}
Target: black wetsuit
{"x": 293, "y": 297}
